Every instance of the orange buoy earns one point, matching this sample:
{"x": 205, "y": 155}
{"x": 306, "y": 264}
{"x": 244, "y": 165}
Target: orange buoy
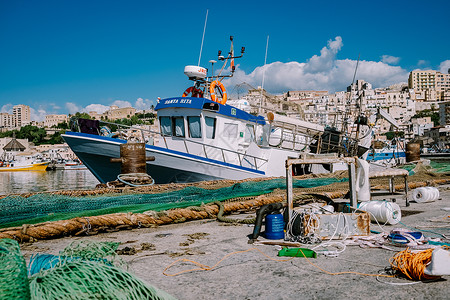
{"x": 194, "y": 91}
{"x": 212, "y": 91}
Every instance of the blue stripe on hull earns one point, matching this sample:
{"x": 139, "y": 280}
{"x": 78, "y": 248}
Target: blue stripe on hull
{"x": 95, "y": 152}
{"x": 385, "y": 156}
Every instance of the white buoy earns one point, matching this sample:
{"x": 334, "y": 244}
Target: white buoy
{"x": 382, "y": 211}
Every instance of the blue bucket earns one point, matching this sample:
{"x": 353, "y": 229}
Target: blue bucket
{"x": 274, "y": 227}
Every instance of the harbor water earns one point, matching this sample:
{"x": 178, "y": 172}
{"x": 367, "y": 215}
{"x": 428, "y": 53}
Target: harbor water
{"x": 34, "y": 181}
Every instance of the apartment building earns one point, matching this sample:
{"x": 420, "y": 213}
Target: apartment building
{"x": 420, "y": 125}
{"x": 432, "y": 83}
{"x": 22, "y": 115}
{"x": 444, "y": 113}
{"x": 7, "y": 121}
{"x": 53, "y": 120}
{"x": 114, "y": 113}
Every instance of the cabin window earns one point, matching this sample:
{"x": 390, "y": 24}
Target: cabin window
{"x": 249, "y": 136}
{"x": 230, "y": 130}
{"x": 195, "y": 130}
{"x": 210, "y": 126}
{"x": 166, "y": 126}
{"x": 178, "y": 126}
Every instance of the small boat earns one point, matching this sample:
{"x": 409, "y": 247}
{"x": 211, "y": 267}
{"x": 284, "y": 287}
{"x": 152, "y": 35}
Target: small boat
{"x": 389, "y": 155}
{"x": 74, "y": 165}
{"x": 21, "y": 163}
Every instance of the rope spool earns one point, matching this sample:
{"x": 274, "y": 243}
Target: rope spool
{"x": 425, "y": 194}
{"x": 382, "y": 211}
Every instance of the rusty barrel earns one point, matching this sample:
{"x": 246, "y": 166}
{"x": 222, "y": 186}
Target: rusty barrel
{"x": 133, "y": 159}
{"x": 412, "y": 152}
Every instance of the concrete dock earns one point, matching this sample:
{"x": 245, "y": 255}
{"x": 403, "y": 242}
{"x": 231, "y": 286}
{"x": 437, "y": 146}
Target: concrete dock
{"x": 256, "y": 273}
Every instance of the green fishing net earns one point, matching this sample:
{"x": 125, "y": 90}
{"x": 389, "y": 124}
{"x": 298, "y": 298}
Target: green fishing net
{"x": 84, "y": 270}
{"x": 16, "y": 210}
{"x": 95, "y": 251}
{"x": 91, "y": 280}
{"x": 13, "y": 271}
{"x": 440, "y": 167}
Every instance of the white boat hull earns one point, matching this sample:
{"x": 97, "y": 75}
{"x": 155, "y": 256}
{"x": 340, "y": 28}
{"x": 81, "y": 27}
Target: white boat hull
{"x": 169, "y": 166}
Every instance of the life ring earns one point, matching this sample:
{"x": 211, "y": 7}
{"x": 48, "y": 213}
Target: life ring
{"x": 212, "y": 91}
{"x": 195, "y": 92}
{"x": 1, "y": 163}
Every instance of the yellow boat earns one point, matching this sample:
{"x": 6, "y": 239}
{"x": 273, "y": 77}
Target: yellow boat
{"x": 29, "y": 166}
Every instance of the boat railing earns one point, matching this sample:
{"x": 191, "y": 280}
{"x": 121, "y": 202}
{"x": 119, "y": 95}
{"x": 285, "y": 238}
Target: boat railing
{"x": 141, "y": 134}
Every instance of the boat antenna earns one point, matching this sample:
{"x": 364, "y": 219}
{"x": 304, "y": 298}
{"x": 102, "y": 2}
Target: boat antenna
{"x": 348, "y": 110}
{"x": 354, "y": 74}
{"x": 264, "y": 73}
{"x": 203, "y": 37}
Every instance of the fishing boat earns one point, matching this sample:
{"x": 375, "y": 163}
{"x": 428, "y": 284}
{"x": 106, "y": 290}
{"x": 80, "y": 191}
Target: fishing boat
{"x": 22, "y": 163}
{"x": 74, "y": 165}
{"x": 201, "y": 137}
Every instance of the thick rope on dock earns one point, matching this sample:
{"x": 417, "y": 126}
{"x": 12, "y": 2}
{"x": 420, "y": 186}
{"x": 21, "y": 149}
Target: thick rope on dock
{"x": 95, "y": 224}
{"x": 112, "y": 222}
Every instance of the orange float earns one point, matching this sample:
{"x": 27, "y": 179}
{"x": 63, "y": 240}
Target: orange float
{"x": 194, "y": 91}
{"x": 212, "y": 91}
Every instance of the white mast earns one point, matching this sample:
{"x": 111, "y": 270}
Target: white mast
{"x": 264, "y": 72}
{"x": 203, "y": 37}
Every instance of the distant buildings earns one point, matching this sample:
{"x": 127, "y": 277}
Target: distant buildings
{"x": 53, "y": 120}
{"x": 114, "y": 113}
{"x": 22, "y": 115}
{"x": 7, "y": 121}
{"x": 444, "y": 113}
{"x": 433, "y": 84}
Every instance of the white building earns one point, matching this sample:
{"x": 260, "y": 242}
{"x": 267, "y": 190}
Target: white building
{"x": 53, "y": 120}
{"x": 22, "y": 115}
{"x": 7, "y": 121}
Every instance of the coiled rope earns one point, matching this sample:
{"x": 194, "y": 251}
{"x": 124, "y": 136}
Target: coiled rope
{"x": 412, "y": 265}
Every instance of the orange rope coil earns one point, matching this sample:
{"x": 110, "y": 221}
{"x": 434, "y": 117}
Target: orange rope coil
{"x": 412, "y": 265}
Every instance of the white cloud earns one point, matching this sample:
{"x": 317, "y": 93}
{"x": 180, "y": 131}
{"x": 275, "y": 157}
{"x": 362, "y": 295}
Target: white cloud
{"x": 121, "y": 103}
{"x": 388, "y": 59}
{"x": 7, "y": 108}
{"x": 37, "y": 115}
{"x": 142, "y": 104}
{"x": 72, "y": 107}
{"x": 323, "y": 72}
{"x": 422, "y": 62}
{"x": 99, "y": 108}
{"x": 326, "y": 59}
{"x": 444, "y": 66}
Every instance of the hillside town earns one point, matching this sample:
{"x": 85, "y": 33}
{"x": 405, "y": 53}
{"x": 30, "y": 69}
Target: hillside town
{"x": 421, "y": 109}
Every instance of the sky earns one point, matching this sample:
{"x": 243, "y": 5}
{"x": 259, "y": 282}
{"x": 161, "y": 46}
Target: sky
{"x": 62, "y": 56}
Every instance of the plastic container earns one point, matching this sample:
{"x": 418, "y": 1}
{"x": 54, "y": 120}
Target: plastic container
{"x": 297, "y": 252}
{"x": 274, "y": 227}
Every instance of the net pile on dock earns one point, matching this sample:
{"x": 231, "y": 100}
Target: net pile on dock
{"x": 89, "y": 274}
{"x": 16, "y": 210}
{"x": 13, "y": 271}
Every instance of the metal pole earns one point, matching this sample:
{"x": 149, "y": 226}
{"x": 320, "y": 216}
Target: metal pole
{"x": 290, "y": 196}
{"x": 352, "y": 184}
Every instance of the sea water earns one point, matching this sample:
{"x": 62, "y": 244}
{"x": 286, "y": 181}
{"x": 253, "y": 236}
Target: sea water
{"x": 44, "y": 181}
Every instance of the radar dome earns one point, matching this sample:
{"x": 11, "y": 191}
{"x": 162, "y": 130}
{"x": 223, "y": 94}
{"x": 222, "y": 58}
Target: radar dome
{"x": 195, "y": 72}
